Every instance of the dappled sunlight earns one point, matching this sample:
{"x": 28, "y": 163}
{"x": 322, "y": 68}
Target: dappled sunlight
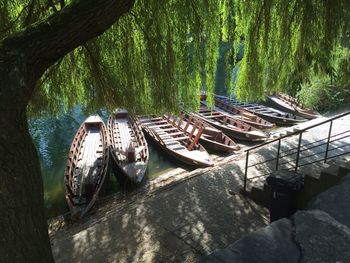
{"x": 188, "y": 220}
{"x": 185, "y": 220}
{"x": 262, "y": 161}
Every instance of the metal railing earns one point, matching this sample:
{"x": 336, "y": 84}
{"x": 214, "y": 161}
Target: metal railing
{"x": 300, "y": 148}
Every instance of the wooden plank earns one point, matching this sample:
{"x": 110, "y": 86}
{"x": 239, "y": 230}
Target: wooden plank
{"x": 194, "y": 142}
{"x": 194, "y": 127}
{"x": 215, "y": 116}
{"x": 169, "y": 129}
{"x": 153, "y": 122}
{"x": 151, "y": 119}
{"x": 181, "y": 120}
{"x": 176, "y": 139}
{"x": 188, "y": 123}
{"x": 159, "y": 126}
{"x": 174, "y": 133}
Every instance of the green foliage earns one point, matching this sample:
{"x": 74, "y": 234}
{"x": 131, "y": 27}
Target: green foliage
{"x": 324, "y": 92}
{"x": 152, "y": 58}
{"x": 286, "y": 42}
{"x": 160, "y": 54}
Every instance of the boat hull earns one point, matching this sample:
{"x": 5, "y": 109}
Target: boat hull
{"x": 216, "y": 146}
{"x": 272, "y": 115}
{"x": 128, "y": 146}
{"x": 238, "y": 134}
{"x": 230, "y": 126}
{"x": 244, "y": 116}
{"x": 278, "y": 102}
{"x": 197, "y": 158}
{"x": 86, "y": 166}
{"x": 211, "y": 138}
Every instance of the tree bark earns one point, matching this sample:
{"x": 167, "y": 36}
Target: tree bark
{"x": 24, "y": 57}
{"x": 23, "y": 228}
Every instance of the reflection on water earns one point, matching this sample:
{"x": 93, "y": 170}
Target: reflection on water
{"x": 53, "y": 136}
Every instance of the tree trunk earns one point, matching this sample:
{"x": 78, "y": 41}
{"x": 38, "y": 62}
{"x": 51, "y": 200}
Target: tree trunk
{"x": 23, "y": 227}
{"x": 24, "y": 57}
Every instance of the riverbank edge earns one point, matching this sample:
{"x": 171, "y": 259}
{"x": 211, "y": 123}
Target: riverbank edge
{"x": 109, "y": 204}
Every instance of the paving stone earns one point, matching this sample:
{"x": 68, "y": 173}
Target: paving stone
{"x": 273, "y": 243}
{"x": 169, "y": 226}
{"x": 335, "y": 201}
{"x": 321, "y": 238}
{"x": 190, "y": 218}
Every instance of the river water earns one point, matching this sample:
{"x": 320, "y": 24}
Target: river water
{"x": 52, "y": 137}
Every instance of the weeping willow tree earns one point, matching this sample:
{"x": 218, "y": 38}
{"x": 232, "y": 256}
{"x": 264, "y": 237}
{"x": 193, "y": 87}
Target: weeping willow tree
{"x": 156, "y": 55}
{"x": 286, "y": 42}
{"x": 145, "y": 55}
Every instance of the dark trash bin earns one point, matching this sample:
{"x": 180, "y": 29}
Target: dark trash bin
{"x": 284, "y": 187}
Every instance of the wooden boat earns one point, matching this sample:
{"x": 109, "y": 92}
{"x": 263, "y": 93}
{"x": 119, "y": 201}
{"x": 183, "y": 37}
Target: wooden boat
{"x": 290, "y": 104}
{"x": 87, "y": 166}
{"x": 244, "y": 115}
{"x": 176, "y": 142}
{"x": 272, "y": 115}
{"x": 129, "y": 148}
{"x": 230, "y": 126}
{"x": 211, "y": 137}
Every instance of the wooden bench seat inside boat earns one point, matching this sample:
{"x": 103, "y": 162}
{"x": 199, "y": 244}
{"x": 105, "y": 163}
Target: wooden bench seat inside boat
{"x": 159, "y": 126}
{"x": 89, "y": 163}
{"x": 176, "y": 139}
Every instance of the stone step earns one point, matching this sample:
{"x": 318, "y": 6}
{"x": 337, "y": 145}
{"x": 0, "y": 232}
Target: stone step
{"x": 318, "y": 177}
{"x": 259, "y": 192}
{"x": 284, "y": 132}
{"x": 344, "y": 168}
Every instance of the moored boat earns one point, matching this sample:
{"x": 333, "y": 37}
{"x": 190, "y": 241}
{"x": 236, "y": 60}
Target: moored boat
{"x": 290, "y": 104}
{"x": 129, "y": 148}
{"x": 175, "y": 142}
{"x": 270, "y": 114}
{"x": 87, "y": 166}
{"x": 244, "y": 115}
{"x": 211, "y": 138}
{"x": 230, "y": 126}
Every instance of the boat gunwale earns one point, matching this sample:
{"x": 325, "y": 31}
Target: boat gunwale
{"x": 176, "y": 154}
{"x": 73, "y": 153}
{"x": 141, "y": 141}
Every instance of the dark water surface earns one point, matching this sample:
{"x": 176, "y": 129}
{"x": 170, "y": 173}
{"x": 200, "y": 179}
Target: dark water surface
{"x": 52, "y": 137}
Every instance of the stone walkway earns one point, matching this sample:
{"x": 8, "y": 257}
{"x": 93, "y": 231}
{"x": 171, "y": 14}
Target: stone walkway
{"x": 178, "y": 223}
{"x": 184, "y": 222}
{"x": 319, "y": 233}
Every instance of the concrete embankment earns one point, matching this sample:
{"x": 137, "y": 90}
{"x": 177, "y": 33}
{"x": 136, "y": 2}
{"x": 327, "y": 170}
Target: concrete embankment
{"x": 178, "y": 218}
{"x": 319, "y": 234}
{"x": 186, "y": 221}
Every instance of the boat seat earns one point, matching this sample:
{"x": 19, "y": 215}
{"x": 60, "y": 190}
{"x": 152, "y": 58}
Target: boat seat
{"x": 159, "y": 126}
{"x": 169, "y": 129}
{"x": 177, "y": 148}
{"x": 215, "y": 116}
{"x": 175, "y": 133}
{"x": 176, "y": 139}
{"x": 172, "y": 143}
{"x": 154, "y": 122}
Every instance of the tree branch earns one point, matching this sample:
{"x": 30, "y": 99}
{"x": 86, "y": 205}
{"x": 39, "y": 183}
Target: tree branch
{"x": 62, "y": 4}
{"x": 44, "y": 43}
{"x": 12, "y": 23}
{"x": 52, "y": 5}
{"x": 28, "y": 19}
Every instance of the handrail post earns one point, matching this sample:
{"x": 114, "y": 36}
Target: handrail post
{"x": 298, "y": 153}
{"x": 246, "y": 173}
{"x": 278, "y": 153}
{"x": 329, "y": 137}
